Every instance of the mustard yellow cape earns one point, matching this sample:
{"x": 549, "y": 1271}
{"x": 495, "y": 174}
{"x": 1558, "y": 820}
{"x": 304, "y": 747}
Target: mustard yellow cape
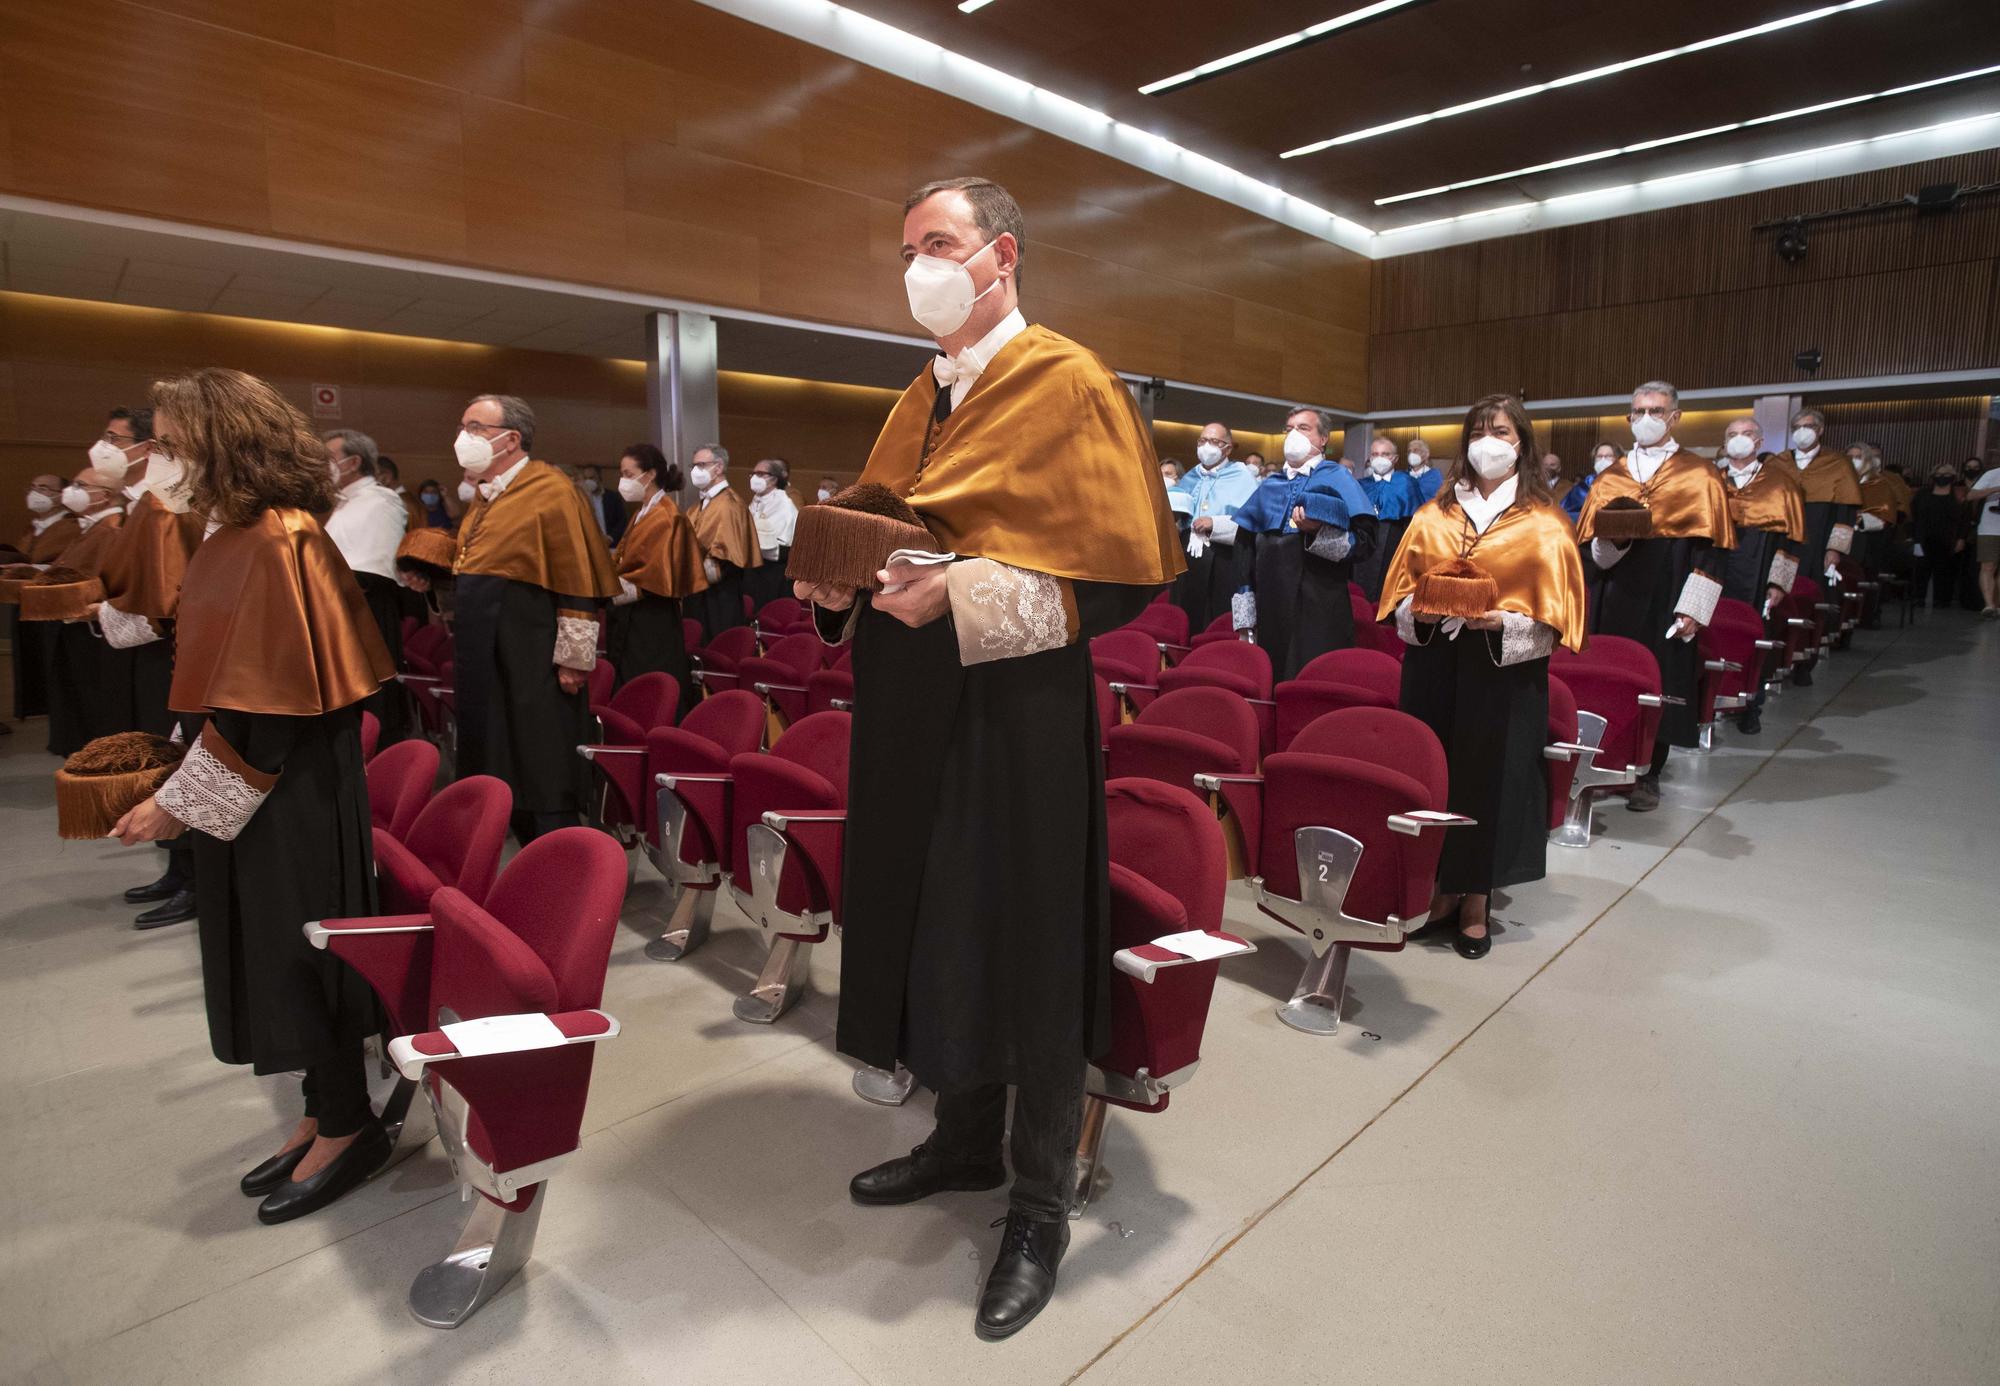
{"x": 724, "y": 531}
{"x": 1880, "y": 498}
{"x": 1828, "y": 479}
{"x": 538, "y": 531}
{"x": 52, "y": 543}
{"x": 1686, "y": 496}
{"x": 1774, "y": 500}
{"x": 271, "y": 620}
{"x": 1529, "y": 549}
{"x": 658, "y": 554}
{"x": 91, "y": 551}
{"x": 144, "y": 569}
{"x": 1046, "y": 428}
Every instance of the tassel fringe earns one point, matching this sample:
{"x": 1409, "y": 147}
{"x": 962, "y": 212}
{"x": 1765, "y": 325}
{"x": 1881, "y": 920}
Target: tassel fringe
{"x": 1458, "y": 588}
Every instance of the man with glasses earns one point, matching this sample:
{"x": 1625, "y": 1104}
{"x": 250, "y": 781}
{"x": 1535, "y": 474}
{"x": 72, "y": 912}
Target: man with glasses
{"x": 727, "y": 538}
{"x": 1656, "y": 535}
{"x": 51, "y": 530}
{"x": 531, "y": 573}
{"x": 1211, "y": 491}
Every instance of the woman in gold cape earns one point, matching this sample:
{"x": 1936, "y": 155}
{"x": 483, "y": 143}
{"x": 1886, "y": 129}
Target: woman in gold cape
{"x": 658, "y": 564}
{"x": 1483, "y": 686}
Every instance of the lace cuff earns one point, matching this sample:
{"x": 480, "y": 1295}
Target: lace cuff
{"x": 1869, "y": 522}
{"x": 627, "y": 593}
{"x": 1406, "y": 622}
{"x": 214, "y": 791}
{"x": 123, "y": 630}
{"x": 1523, "y": 638}
{"x": 1004, "y": 613}
{"x": 576, "y": 643}
{"x": 1243, "y": 611}
{"x": 1331, "y": 543}
{"x": 1784, "y": 572}
{"x": 1604, "y": 553}
{"x": 1841, "y": 540}
{"x": 1698, "y": 598}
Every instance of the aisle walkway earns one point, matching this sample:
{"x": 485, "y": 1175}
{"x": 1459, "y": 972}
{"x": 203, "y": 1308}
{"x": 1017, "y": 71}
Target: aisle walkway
{"x": 1719, "y": 1106}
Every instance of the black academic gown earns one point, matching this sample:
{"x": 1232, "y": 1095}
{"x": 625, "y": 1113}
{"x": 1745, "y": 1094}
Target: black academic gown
{"x": 976, "y": 946}
{"x": 719, "y": 606}
{"x": 28, "y": 640}
{"x": 514, "y": 720}
{"x": 274, "y": 1001}
{"x": 646, "y": 637}
{"x": 1747, "y": 573}
{"x": 1635, "y": 598}
{"x": 385, "y": 604}
{"x": 1211, "y": 580}
{"x": 90, "y": 686}
{"x": 1303, "y": 606}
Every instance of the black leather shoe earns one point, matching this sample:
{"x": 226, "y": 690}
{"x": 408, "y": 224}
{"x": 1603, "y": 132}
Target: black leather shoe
{"x": 1644, "y": 795}
{"x": 1469, "y": 947}
{"x": 1023, "y": 1276}
{"x": 349, "y": 1169}
{"x": 1750, "y": 721}
{"x": 1802, "y": 677}
{"x": 165, "y": 888}
{"x": 920, "y": 1174}
{"x": 273, "y": 1171}
{"x": 177, "y": 908}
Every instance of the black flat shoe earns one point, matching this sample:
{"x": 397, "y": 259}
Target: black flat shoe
{"x": 177, "y": 908}
{"x": 1802, "y": 677}
{"x": 920, "y": 1174}
{"x": 1473, "y": 947}
{"x": 273, "y": 1171}
{"x": 1750, "y": 721}
{"x": 165, "y": 888}
{"x": 348, "y": 1170}
{"x": 1023, "y": 1277}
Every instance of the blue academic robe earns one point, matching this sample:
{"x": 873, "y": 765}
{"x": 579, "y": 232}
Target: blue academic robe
{"x": 1572, "y": 501}
{"x": 1427, "y": 484}
{"x": 1396, "y": 498}
{"x": 1214, "y": 575}
{"x": 1303, "y": 606}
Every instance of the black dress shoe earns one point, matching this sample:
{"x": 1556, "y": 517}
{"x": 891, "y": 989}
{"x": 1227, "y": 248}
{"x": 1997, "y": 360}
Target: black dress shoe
{"x": 177, "y": 908}
{"x": 1469, "y": 947}
{"x": 1644, "y": 795}
{"x": 349, "y": 1169}
{"x": 273, "y": 1171}
{"x": 165, "y": 888}
{"x": 1023, "y": 1276}
{"x": 1750, "y": 722}
{"x": 1802, "y": 677}
{"x": 920, "y": 1174}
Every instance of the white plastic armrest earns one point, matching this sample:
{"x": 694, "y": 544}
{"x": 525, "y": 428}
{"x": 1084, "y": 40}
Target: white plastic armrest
{"x": 669, "y": 781}
{"x": 778, "y": 822}
{"x": 1414, "y": 822}
{"x": 317, "y": 931}
{"x": 1128, "y": 961}
{"x": 841, "y": 704}
{"x": 768, "y": 688}
{"x": 416, "y": 678}
{"x": 1212, "y": 783}
{"x": 1122, "y": 688}
{"x": 1767, "y": 644}
{"x": 1559, "y": 750}
{"x": 593, "y": 752}
{"x": 411, "y": 1064}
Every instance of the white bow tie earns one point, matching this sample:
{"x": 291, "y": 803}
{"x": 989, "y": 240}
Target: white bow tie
{"x": 949, "y": 370}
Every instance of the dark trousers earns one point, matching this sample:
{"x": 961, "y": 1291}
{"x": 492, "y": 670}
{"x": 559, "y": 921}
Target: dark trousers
{"x": 1937, "y": 574}
{"x": 336, "y": 1093}
{"x": 528, "y": 825}
{"x": 1047, "y": 1118}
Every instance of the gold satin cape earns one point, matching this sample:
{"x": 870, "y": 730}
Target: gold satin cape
{"x": 1687, "y": 496}
{"x": 724, "y": 530}
{"x": 1828, "y": 479}
{"x": 1529, "y": 549}
{"x": 1880, "y": 498}
{"x": 144, "y": 570}
{"x": 1045, "y": 464}
{"x": 271, "y": 620}
{"x": 52, "y": 543}
{"x": 537, "y": 531}
{"x": 1773, "y": 500}
{"x": 90, "y": 552}
{"x": 658, "y": 554}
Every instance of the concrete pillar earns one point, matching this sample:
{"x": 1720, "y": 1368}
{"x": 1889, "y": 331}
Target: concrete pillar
{"x": 681, "y": 395}
{"x": 1354, "y": 443}
{"x": 1773, "y": 414}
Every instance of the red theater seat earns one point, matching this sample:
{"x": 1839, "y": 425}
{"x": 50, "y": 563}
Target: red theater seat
{"x": 455, "y": 841}
{"x": 621, "y": 806}
{"x": 781, "y": 676}
{"x": 400, "y": 780}
{"x": 371, "y": 736}
{"x": 687, "y": 832}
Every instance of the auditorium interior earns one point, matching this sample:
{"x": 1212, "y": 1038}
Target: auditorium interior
{"x": 1718, "y": 1106}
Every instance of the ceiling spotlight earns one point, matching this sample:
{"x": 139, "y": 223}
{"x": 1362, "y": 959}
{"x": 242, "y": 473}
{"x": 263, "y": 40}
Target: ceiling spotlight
{"x": 1792, "y": 249}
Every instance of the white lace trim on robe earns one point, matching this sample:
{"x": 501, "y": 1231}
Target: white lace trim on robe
{"x": 207, "y": 795}
{"x": 123, "y": 630}
{"x": 1003, "y": 612}
{"x": 576, "y": 643}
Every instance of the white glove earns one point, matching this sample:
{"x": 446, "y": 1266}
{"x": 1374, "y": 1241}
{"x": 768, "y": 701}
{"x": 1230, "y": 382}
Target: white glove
{"x": 711, "y": 570}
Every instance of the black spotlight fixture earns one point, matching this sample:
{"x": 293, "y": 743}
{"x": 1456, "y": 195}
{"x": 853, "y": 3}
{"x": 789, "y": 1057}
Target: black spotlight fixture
{"x": 1808, "y": 361}
{"x": 1792, "y": 242}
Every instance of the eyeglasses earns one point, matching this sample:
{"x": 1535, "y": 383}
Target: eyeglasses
{"x": 1658, "y": 411}
{"x": 117, "y": 440}
{"x": 482, "y": 429}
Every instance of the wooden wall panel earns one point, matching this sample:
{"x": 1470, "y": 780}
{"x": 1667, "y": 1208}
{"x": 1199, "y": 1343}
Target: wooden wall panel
{"x": 650, "y": 145}
{"x": 1689, "y": 294}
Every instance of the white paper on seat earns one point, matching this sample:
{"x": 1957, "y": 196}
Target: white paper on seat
{"x": 1198, "y": 945}
{"x": 1432, "y": 816}
{"x": 503, "y": 1034}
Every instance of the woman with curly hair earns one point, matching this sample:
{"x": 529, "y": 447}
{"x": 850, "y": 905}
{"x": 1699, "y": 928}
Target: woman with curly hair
{"x": 275, "y": 650}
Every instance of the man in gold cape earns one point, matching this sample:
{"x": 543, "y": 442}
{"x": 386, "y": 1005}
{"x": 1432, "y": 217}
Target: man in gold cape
{"x": 1660, "y": 590}
{"x": 727, "y": 538}
{"x": 530, "y": 575}
{"x": 976, "y": 876}
{"x": 1767, "y": 507}
{"x": 51, "y": 530}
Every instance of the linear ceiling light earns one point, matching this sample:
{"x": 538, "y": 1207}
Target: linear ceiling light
{"x": 1574, "y": 78}
{"x": 1262, "y": 50}
{"x": 972, "y": 6}
{"x": 1644, "y": 145}
{"x": 1618, "y": 188}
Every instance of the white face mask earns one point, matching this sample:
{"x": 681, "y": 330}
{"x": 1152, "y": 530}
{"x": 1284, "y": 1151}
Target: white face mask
{"x": 109, "y": 457}
{"x": 826, "y": 493}
{"x": 941, "y": 291}
{"x": 1380, "y": 465}
{"x": 167, "y": 477}
{"x": 759, "y": 484}
{"x": 475, "y": 453}
{"x": 1804, "y": 438}
{"x": 40, "y": 502}
{"x": 1298, "y": 447}
{"x": 1492, "y": 457}
{"x": 466, "y": 491}
{"x": 1648, "y": 430}
{"x": 631, "y": 489}
{"x": 1604, "y": 461}
{"x": 590, "y": 486}
{"x": 1418, "y": 462}
{"x": 76, "y": 499}
{"x": 1860, "y": 465}
{"x": 702, "y": 478}
{"x": 1740, "y": 446}
{"x": 1208, "y": 454}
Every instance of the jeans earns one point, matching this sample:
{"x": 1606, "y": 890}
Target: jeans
{"x": 1047, "y": 1118}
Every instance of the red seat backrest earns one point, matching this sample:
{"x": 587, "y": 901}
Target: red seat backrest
{"x": 1381, "y": 736}
{"x": 1163, "y": 621}
{"x": 1361, "y": 668}
{"x": 733, "y": 720}
{"x": 1133, "y": 651}
{"x": 1235, "y": 658}
{"x": 371, "y": 735}
{"x": 400, "y": 779}
{"x": 460, "y": 833}
{"x": 561, "y": 896}
{"x": 820, "y": 744}
{"x": 730, "y": 647}
{"x": 1622, "y": 653}
{"x": 801, "y": 653}
{"x": 1170, "y": 837}
{"x": 780, "y": 612}
{"x": 603, "y": 678}
{"x": 1215, "y": 713}
{"x": 1562, "y": 727}
{"x": 650, "y": 700}
{"x": 692, "y": 634}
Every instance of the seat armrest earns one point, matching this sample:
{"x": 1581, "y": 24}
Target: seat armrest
{"x": 1168, "y": 647}
{"x": 669, "y": 781}
{"x": 1262, "y": 702}
{"x": 841, "y": 704}
{"x": 412, "y": 1054}
{"x": 1722, "y": 666}
{"x": 781, "y": 822}
{"x": 1661, "y": 700}
{"x": 593, "y": 752}
{"x": 1559, "y": 750}
{"x": 321, "y": 931}
{"x": 705, "y": 677}
{"x": 1413, "y": 823}
{"x": 1145, "y": 961}
{"x": 1213, "y": 783}
{"x": 1121, "y": 689}
{"x": 767, "y": 688}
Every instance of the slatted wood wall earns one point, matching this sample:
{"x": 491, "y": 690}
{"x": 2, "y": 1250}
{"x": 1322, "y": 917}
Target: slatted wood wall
{"x": 1691, "y": 295}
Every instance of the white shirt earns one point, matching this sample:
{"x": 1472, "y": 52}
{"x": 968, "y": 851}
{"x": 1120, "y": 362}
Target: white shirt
{"x": 712, "y": 492}
{"x": 1304, "y": 468}
{"x": 1643, "y": 462}
{"x": 777, "y": 516}
{"x": 492, "y": 489}
{"x": 1420, "y": 469}
{"x": 647, "y": 508}
{"x": 1804, "y": 459}
{"x": 1484, "y": 510}
{"x": 367, "y": 526}
{"x": 1989, "y": 523}
{"x": 1743, "y": 478}
{"x": 961, "y": 371}
{"x": 41, "y": 526}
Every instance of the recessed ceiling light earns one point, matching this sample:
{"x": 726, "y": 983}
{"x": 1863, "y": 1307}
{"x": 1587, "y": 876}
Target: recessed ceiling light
{"x": 1269, "y": 46}
{"x": 1574, "y": 78}
{"x": 1683, "y": 137}
{"x": 972, "y": 6}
